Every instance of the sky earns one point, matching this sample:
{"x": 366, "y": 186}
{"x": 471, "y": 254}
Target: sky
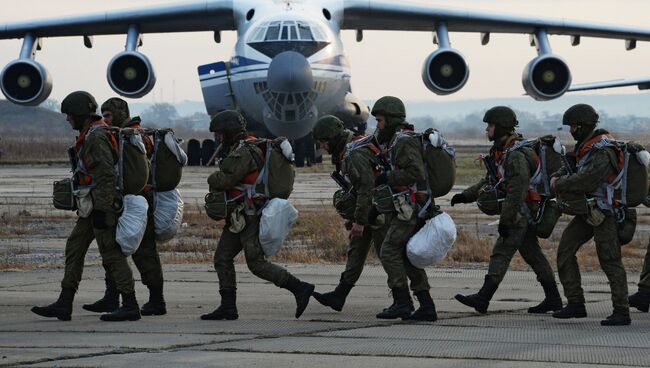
{"x": 384, "y": 63}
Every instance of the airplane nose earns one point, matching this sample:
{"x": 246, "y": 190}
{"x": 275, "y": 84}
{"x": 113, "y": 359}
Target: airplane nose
{"x": 290, "y": 72}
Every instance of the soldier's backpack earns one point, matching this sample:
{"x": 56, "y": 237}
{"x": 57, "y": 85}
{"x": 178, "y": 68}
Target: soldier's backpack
{"x": 277, "y": 174}
{"x": 439, "y": 161}
{"x": 167, "y": 160}
{"x": 548, "y": 150}
{"x": 630, "y": 186}
{"x": 133, "y": 165}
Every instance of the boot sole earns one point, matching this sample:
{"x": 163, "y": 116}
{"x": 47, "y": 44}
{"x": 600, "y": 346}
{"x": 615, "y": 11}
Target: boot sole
{"x": 643, "y": 308}
{"x": 402, "y": 316}
{"x": 89, "y": 308}
{"x": 569, "y": 317}
{"x": 107, "y": 318}
{"x": 228, "y": 318}
{"x": 463, "y": 300}
{"x": 156, "y": 313}
{"x": 604, "y": 323}
{"x": 57, "y": 316}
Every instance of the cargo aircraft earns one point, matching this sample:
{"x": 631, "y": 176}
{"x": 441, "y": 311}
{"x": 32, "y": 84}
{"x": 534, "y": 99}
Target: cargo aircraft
{"x": 289, "y": 66}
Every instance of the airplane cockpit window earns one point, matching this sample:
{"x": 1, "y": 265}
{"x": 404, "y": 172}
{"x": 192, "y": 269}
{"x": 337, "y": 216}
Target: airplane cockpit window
{"x": 271, "y": 38}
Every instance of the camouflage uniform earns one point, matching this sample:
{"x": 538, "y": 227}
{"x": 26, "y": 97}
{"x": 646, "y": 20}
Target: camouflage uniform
{"x": 359, "y": 168}
{"x": 515, "y": 233}
{"x": 405, "y": 155}
{"x": 598, "y": 167}
{"x": 146, "y": 258}
{"x": 96, "y": 158}
{"x": 241, "y": 166}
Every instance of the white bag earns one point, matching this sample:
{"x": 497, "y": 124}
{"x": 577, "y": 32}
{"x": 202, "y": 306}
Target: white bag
{"x": 132, "y": 224}
{"x": 432, "y": 242}
{"x": 167, "y": 214}
{"x": 277, "y": 219}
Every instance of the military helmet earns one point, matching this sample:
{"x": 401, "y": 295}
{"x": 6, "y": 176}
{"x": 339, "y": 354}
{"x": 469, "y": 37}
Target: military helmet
{"x": 229, "y": 122}
{"x": 389, "y": 106}
{"x": 580, "y": 114}
{"x": 502, "y": 116}
{"x": 79, "y": 103}
{"x": 328, "y": 127}
{"x": 119, "y": 108}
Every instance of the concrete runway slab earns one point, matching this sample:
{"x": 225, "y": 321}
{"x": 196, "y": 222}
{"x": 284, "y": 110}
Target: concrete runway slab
{"x": 267, "y": 335}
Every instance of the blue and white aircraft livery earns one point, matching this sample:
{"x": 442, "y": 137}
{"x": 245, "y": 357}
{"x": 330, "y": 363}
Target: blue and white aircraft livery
{"x": 289, "y": 67}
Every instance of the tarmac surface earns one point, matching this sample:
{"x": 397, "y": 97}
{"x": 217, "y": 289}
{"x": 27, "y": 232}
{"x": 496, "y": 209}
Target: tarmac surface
{"x": 267, "y": 335}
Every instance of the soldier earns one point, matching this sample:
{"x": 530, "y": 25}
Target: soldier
{"x": 514, "y": 169}
{"x": 242, "y": 166}
{"x": 641, "y": 299}
{"x": 596, "y": 166}
{"x": 357, "y": 168}
{"x": 147, "y": 260}
{"x": 96, "y": 157}
{"x": 407, "y": 174}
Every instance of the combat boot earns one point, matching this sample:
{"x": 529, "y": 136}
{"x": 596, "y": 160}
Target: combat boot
{"x": 640, "y": 300}
{"x": 401, "y": 307}
{"x": 302, "y": 291}
{"x": 481, "y": 300}
{"x": 228, "y": 308}
{"x": 427, "y": 310}
{"x": 129, "y": 311}
{"x": 572, "y": 310}
{"x": 156, "y": 305}
{"x": 552, "y": 300}
{"x": 617, "y": 319}
{"x": 108, "y": 303}
{"x": 61, "y": 309}
{"x": 335, "y": 299}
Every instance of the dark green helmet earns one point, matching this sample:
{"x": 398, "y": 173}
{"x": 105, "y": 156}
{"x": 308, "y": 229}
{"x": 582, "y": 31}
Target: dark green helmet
{"x": 389, "y": 106}
{"x": 79, "y": 103}
{"x": 228, "y": 122}
{"x": 580, "y": 114}
{"x": 120, "y": 110}
{"x": 328, "y": 127}
{"x": 502, "y": 116}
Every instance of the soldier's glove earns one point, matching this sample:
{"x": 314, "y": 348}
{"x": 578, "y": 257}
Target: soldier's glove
{"x": 99, "y": 220}
{"x": 504, "y": 231}
{"x": 458, "y": 198}
{"x": 372, "y": 215}
{"x": 348, "y": 225}
{"x": 381, "y": 179}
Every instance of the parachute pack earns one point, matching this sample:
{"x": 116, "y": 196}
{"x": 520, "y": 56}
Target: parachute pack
{"x": 629, "y": 187}
{"x": 167, "y": 160}
{"x": 439, "y": 161}
{"x": 276, "y": 177}
{"x": 133, "y": 165}
{"x": 548, "y": 150}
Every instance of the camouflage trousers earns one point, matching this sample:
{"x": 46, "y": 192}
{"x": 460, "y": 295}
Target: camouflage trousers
{"x": 605, "y": 235}
{"x": 393, "y": 254}
{"x": 230, "y": 244}
{"x": 146, "y": 258}
{"x": 358, "y": 252}
{"x": 644, "y": 281}
{"x": 521, "y": 238}
{"x": 113, "y": 260}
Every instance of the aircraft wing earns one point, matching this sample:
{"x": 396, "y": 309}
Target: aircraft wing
{"x": 641, "y": 83}
{"x": 194, "y": 16}
{"x": 404, "y": 16}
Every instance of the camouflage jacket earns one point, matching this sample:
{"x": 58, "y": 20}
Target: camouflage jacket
{"x": 405, "y": 155}
{"x": 598, "y": 167}
{"x": 516, "y": 170}
{"x": 360, "y": 168}
{"x": 240, "y": 166}
{"x": 98, "y": 156}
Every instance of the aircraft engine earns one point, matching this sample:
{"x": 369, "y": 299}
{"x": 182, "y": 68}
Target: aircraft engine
{"x": 26, "y": 82}
{"x": 546, "y": 77}
{"x": 131, "y": 74}
{"x": 445, "y": 71}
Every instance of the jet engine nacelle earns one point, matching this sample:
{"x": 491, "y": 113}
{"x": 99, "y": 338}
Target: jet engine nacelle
{"x": 131, "y": 74}
{"x": 25, "y": 82}
{"x": 546, "y": 77}
{"x": 445, "y": 71}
